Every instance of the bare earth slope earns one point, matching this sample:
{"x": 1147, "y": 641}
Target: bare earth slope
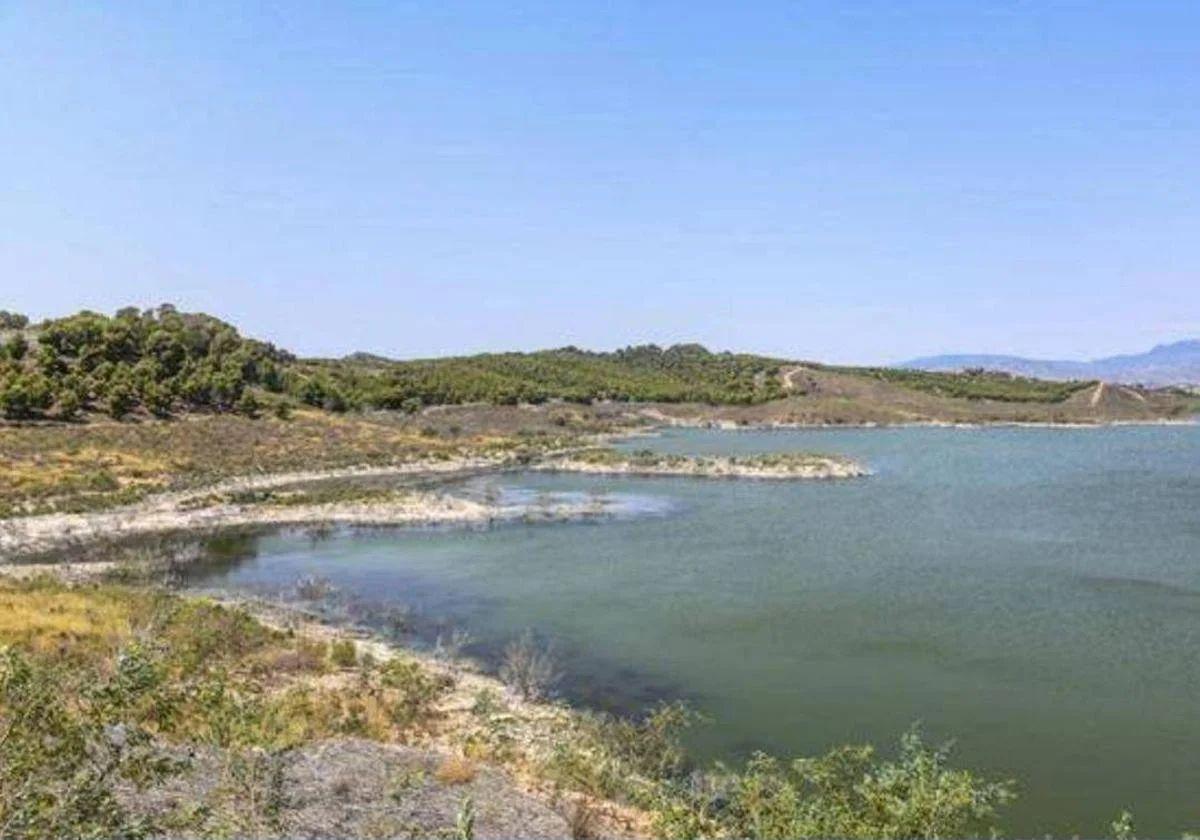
{"x": 819, "y": 396}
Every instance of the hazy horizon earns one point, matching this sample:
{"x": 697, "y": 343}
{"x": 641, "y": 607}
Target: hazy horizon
{"x": 852, "y": 184}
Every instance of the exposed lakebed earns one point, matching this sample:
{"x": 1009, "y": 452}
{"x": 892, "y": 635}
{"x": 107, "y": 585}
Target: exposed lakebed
{"x": 1034, "y": 593}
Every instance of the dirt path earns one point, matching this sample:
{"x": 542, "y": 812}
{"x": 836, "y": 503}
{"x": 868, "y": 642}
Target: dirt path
{"x": 789, "y": 376}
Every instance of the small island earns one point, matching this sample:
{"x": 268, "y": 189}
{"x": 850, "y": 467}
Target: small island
{"x": 644, "y": 462}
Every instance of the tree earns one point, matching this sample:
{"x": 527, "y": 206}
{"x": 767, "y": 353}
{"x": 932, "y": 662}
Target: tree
{"x": 167, "y": 349}
{"x": 16, "y": 347}
{"x": 120, "y": 396}
{"x": 24, "y": 395}
{"x": 157, "y": 398}
{"x": 12, "y": 320}
{"x": 49, "y": 362}
{"x": 68, "y": 405}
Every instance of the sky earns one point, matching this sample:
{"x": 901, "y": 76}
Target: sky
{"x": 848, "y": 182}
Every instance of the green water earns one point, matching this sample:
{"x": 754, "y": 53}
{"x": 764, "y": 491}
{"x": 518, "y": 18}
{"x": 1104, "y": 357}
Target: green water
{"x": 1034, "y": 593}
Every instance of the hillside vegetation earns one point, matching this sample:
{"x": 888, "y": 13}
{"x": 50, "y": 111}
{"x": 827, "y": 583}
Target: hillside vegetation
{"x": 680, "y": 373}
{"x": 160, "y": 361}
{"x": 164, "y": 362}
{"x": 976, "y": 384}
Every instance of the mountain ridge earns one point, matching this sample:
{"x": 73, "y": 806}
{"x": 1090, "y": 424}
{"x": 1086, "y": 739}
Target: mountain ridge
{"x": 1173, "y": 363}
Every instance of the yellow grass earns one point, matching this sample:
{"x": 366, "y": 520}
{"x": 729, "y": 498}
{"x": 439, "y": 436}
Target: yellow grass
{"x": 47, "y": 618}
{"x": 62, "y": 467}
{"x": 207, "y": 646}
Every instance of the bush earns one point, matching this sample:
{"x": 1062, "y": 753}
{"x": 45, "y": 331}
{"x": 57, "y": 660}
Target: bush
{"x": 121, "y": 399}
{"x": 16, "y": 347}
{"x": 60, "y": 761}
{"x": 248, "y": 405}
{"x": 845, "y": 793}
{"x": 528, "y": 668}
{"x": 68, "y": 405}
{"x": 12, "y": 320}
{"x": 343, "y": 653}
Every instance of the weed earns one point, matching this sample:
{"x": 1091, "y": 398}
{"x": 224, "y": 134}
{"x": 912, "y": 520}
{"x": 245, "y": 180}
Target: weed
{"x": 528, "y": 668}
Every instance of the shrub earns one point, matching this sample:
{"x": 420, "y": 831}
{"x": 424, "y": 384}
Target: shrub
{"x": 60, "y": 761}
{"x": 13, "y": 320}
{"x": 343, "y": 653}
{"x": 528, "y": 668}
{"x": 68, "y": 405}
{"x": 16, "y": 347}
{"x": 848, "y": 792}
{"x": 615, "y": 757}
{"x": 24, "y": 395}
{"x": 120, "y": 398}
{"x": 314, "y": 588}
{"x": 248, "y": 405}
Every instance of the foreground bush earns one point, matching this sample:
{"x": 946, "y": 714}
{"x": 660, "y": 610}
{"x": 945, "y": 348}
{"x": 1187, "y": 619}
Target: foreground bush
{"x": 849, "y": 792}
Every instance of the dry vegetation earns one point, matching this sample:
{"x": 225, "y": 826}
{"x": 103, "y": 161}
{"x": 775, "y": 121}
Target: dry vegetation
{"x": 71, "y": 468}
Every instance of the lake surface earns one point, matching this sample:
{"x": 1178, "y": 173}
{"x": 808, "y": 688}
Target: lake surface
{"x": 1032, "y": 593}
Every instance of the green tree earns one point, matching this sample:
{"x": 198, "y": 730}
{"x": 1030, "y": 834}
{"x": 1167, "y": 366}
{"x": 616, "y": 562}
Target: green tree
{"x": 24, "y": 395}
{"x": 12, "y": 320}
{"x": 157, "y": 398}
{"x": 120, "y": 396}
{"x": 68, "y": 405}
{"x": 17, "y": 347}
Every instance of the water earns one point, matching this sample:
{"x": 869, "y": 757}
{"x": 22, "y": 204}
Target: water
{"x": 1034, "y": 593}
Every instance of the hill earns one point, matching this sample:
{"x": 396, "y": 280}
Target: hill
{"x": 1164, "y": 365}
{"x": 164, "y": 362}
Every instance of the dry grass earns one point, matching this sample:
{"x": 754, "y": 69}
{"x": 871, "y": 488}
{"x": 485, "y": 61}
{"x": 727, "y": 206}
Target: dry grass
{"x": 60, "y": 467}
{"x": 455, "y": 770}
{"x": 219, "y": 660}
{"x": 47, "y": 618}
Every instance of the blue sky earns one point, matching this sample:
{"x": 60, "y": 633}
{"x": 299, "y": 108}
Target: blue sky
{"x": 842, "y": 181}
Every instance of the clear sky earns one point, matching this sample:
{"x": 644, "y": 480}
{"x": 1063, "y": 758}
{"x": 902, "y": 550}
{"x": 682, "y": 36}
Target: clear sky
{"x": 848, "y": 181}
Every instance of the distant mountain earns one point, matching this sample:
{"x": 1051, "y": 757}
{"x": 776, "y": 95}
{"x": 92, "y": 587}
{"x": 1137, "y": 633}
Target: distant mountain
{"x": 1166, "y": 364}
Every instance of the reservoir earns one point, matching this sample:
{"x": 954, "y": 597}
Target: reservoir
{"x": 1032, "y": 593}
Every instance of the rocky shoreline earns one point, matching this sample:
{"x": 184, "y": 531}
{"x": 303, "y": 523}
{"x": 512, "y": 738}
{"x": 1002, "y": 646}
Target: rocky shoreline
{"x": 227, "y": 503}
{"x": 782, "y": 467}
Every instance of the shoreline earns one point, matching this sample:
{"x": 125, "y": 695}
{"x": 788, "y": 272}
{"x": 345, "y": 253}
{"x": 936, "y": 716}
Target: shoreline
{"x": 34, "y": 535}
{"x": 807, "y": 468}
{"x": 514, "y": 742}
{"x": 734, "y": 426}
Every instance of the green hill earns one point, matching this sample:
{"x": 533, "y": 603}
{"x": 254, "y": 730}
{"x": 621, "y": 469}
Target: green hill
{"x": 164, "y": 362}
